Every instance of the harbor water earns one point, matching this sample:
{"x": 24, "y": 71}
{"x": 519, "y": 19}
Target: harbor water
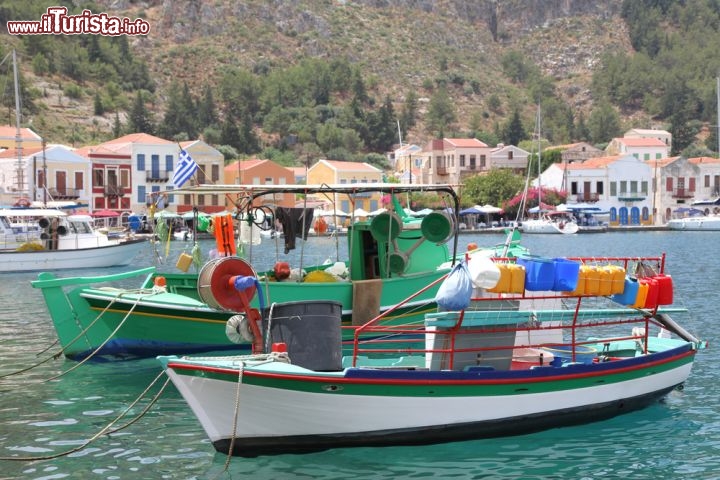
{"x": 42, "y": 416}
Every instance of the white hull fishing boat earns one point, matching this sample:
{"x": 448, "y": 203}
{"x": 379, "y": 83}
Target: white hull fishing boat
{"x": 594, "y": 354}
{"x": 697, "y": 223}
{"x": 550, "y": 224}
{"x": 48, "y": 239}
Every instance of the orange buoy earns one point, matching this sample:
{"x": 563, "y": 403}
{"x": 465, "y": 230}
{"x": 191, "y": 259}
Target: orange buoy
{"x": 320, "y": 226}
{"x": 472, "y": 246}
{"x": 281, "y": 270}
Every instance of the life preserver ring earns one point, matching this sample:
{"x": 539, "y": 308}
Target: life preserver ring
{"x": 716, "y": 210}
{"x": 320, "y": 226}
{"x": 22, "y": 202}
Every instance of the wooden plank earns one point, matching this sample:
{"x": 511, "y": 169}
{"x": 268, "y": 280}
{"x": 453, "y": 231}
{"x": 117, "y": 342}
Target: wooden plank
{"x": 366, "y": 300}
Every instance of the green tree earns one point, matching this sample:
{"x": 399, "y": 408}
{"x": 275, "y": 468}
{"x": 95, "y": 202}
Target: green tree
{"x": 206, "y": 111}
{"x": 495, "y": 188}
{"x": 513, "y": 132}
{"x": 98, "y": 108}
{"x": 603, "y": 123}
{"x": 441, "y": 112}
{"x": 140, "y": 118}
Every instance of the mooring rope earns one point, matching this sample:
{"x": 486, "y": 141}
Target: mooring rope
{"x": 266, "y": 358}
{"x": 82, "y": 333}
{"x": 106, "y": 429}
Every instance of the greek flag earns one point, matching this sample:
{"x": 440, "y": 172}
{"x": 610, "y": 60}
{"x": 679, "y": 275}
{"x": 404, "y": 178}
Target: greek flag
{"x": 186, "y": 168}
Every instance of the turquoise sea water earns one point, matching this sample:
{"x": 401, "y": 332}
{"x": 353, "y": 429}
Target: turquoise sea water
{"x": 678, "y": 438}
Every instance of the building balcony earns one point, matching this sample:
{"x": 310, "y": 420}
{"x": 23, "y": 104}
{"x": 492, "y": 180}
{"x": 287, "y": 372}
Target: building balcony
{"x": 632, "y": 196}
{"x": 441, "y": 170}
{"x": 587, "y": 197}
{"x": 64, "y": 193}
{"x": 113, "y": 191}
{"x": 682, "y": 193}
{"x": 157, "y": 175}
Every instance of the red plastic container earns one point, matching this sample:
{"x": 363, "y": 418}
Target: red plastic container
{"x": 665, "y": 289}
{"x": 651, "y": 301}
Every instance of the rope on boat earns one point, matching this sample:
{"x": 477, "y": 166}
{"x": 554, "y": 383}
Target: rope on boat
{"x": 264, "y": 358}
{"x": 57, "y": 355}
{"x": 112, "y": 334}
{"x": 107, "y": 428}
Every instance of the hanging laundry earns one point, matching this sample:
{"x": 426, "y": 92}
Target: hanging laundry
{"x": 295, "y": 221}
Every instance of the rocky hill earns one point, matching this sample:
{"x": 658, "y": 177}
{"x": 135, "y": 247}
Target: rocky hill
{"x": 400, "y": 45}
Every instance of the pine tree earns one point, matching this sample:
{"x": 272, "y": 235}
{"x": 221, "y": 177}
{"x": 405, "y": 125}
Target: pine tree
{"x": 206, "y": 114}
{"x": 514, "y": 131}
{"x": 139, "y": 118}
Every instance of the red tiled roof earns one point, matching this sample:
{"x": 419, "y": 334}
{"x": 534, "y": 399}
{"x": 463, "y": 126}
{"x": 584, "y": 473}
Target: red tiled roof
{"x": 642, "y": 142}
{"x": 350, "y": 166}
{"x": 597, "y": 162}
{"x": 703, "y": 160}
{"x": 465, "y": 142}
{"x": 138, "y": 138}
{"x": 244, "y": 164}
{"x": 7, "y": 131}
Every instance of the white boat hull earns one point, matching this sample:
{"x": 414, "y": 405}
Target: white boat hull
{"x": 695, "y": 223}
{"x": 544, "y": 226}
{"x": 106, "y": 256}
{"x": 278, "y": 417}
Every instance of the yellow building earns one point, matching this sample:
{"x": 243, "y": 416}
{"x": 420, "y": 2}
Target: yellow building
{"x": 344, "y": 173}
{"x": 8, "y": 138}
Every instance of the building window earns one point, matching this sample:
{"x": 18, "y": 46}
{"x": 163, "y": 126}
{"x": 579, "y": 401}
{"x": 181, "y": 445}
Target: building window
{"x": 79, "y": 181}
{"x": 142, "y": 197}
{"x": 613, "y": 189}
{"x": 510, "y": 154}
{"x": 462, "y": 160}
{"x": 98, "y": 177}
{"x": 215, "y": 169}
{"x": 707, "y": 181}
{"x": 472, "y": 161}
{"x": 482, "y": 161}
{"x": 573, "y": 188}
{"x": 623, "y": 186}
{"x": 169, "y": 163}
{"x": 633, "y": 186}
{"x": 644, "y": 187}
{"x": 125, "y": 178}
{"x": 141, "y": 162}
{"x": 599, "y": 188}
{"x": 669, "y": 184}
{"x": 646, "y": 157}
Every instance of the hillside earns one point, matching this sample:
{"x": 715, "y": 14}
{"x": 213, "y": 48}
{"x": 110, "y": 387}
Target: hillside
{"x": 399, "y": 46}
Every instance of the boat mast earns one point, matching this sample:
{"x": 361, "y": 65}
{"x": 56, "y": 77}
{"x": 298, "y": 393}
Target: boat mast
{"x": 539, "y": 150}
{"x": 18, "y": 135}
{"x": 717, "y": 92}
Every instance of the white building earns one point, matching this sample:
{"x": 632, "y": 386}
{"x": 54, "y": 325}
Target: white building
{"x": 619, "y": 184}
{"x": 55, "y": 174}
{"x": 641, "y": 148}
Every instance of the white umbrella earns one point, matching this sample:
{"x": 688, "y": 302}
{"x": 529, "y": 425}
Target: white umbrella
{"x": 189, "y": 215}
{"x": 166, "y": 214}
{"x": 359, "y": 212}
{"x": 488, "y": 208}
{"x": 422, "y": 213}
{"x": 377, "y": 212}
{"x": 331, "y": 213}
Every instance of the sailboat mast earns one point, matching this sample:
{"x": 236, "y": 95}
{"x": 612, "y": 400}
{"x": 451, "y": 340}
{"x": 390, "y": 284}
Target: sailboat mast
{"x": 539, "y": 150}
{"x": 717, "y": 92}
{"x": 18, "y": 135}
